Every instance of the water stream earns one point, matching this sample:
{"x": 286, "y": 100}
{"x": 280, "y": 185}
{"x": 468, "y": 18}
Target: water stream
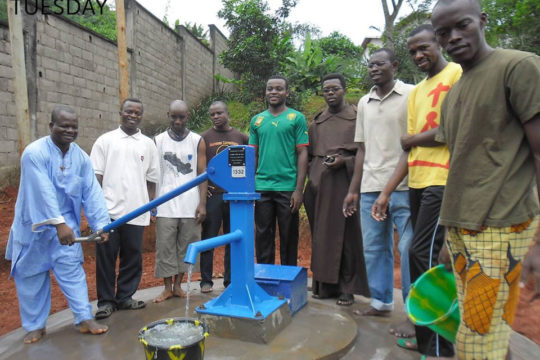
{"x": 188, "y": 283}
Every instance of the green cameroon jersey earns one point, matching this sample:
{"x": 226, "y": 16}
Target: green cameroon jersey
{"x": 277, "y": 138}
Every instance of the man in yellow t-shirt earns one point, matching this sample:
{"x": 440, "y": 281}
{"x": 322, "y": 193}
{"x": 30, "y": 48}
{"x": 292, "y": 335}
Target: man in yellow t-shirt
{"x": 426, "y": 162}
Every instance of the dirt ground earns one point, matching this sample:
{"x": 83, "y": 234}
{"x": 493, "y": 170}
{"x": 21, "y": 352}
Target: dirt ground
{"x": 526, "y": 321}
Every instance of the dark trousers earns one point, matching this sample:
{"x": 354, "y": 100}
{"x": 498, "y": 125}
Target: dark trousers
{"x": 427, "y": 241}
{"x": 124, "y": 242}
{"x": 271, "y": 206}
{"x": 217, "y": 213}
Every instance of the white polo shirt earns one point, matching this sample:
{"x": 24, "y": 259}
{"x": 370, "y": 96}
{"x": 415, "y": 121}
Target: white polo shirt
{"x": 126, "y": 163}
{"x": 380, "y": 122}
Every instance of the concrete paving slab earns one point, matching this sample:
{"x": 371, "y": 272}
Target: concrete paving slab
{"x": 322, "y": 330}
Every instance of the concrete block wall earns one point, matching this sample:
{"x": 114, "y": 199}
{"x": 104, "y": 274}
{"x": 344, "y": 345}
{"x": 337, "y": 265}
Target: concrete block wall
{"x": 197, "y": 68}
{"x": 156, "y": 72}
{"x": 9, "y": 155}
{"x": 77, "y": 68}
{"x": 219, "y": 44}
{"x": 69, "y": 64}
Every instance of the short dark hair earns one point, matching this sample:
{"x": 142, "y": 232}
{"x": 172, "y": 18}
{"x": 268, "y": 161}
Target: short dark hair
{"x": 391, "y": 54}
{"x": 131, "y": 99}
{"x": 220, "y": 102}
{"x": 332, "y": 76}
{"x": 423, "y": 27}
{"x": 280, "y": 77}
{"x": 61, "y": 108}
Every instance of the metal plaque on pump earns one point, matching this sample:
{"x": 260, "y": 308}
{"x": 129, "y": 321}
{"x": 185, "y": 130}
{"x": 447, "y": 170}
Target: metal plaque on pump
{"x": 237, "y": 162}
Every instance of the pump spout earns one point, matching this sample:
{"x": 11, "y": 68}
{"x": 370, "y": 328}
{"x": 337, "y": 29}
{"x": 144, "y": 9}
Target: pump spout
{"x": 204, "y": 245}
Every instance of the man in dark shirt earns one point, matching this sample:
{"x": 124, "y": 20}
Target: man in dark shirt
{"x": 217, "y": 138}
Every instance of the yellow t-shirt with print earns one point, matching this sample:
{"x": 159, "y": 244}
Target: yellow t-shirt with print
{"x": 428, "y": 166}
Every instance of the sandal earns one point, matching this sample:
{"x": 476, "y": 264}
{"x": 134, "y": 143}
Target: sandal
{"x": 345, "y": 300}
{"x": 131, "y": 304}
{"x": 408, "y": 343}
{"x": 206, "y": 288}
{"x": 104, "y": 311}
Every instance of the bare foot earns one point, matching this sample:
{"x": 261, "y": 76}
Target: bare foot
{"x": 178, "y": 292}
{"x": 34, "y": 336}
{"x": 372, "y": 312}
{"x": 91, "y": 326}
{"x": 403, "y": 330}
{"x": 165, "y": 294}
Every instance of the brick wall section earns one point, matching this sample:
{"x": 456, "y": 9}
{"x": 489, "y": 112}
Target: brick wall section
{"x": 78, "y": 67}
{"x": 198, "y": 60}
{"x": 9, "y": 156}
{"x": 219, "y": 44}
{"x": 157, "y": 65}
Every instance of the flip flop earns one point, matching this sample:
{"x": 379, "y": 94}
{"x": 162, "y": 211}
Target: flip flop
{"x": 408, "y": 343}
{"x": 131, "y": 304}
{"x": 104, "y": 311}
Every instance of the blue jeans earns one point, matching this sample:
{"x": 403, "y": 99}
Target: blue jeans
{"x": 379, "y": 250}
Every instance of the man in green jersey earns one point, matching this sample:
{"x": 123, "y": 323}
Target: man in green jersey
{"x": 280, "y": 137}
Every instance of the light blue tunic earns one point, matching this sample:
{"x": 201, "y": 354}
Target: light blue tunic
{"x": 52, "y": 186}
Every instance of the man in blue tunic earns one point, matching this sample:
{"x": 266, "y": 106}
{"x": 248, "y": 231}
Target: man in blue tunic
{"x": 57, "y": 180}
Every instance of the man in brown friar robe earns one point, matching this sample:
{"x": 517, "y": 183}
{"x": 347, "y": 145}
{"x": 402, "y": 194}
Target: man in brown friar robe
{"x": 337, "y": 259}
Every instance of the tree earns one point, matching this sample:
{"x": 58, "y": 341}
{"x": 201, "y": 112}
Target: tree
{"x": 390, "y": 15}
{"x": 339, "y": 45}
{"x": 309, "y": 64}
{"x": 258, "y": 43}
{"x": 513, "y": 24}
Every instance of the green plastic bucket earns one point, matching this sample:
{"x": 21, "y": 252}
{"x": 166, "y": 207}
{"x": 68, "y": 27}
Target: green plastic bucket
{"x": 432, "y": 302}
{"x": 162, "y": 342}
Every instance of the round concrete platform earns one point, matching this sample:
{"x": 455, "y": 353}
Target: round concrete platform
{"x": 317, "y": 331}
{"x": 320, "y": 330}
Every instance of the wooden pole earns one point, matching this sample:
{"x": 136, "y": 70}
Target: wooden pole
{"x": 123, "y": 74}
{"x": 16, "y": 40}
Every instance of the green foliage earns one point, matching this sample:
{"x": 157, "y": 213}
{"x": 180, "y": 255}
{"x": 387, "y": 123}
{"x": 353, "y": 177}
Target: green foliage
{"x": 318, "y": 57}
{"x": 313, "y": 105}
{"x": 513, "y": 24}
{"x": 258, "y": 41}
{"x": 3, "y": 11}
{"x": 339, "y": 45}
{"x": 407, "y": 71}
{"x": 198, "y": 31}
{"x": 240, "y": 113}
{"x": 305, "y": 67}
{"x": 104, "y": 24}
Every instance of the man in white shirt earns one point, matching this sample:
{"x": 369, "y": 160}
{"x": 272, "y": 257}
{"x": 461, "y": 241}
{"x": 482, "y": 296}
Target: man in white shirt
{"x": 182, "y": 157}
{"x": 126, "y": 164}
{"x": 381, "y": 121}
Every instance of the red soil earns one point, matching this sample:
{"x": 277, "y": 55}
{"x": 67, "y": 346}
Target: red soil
{"x": 526, "y": 321}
